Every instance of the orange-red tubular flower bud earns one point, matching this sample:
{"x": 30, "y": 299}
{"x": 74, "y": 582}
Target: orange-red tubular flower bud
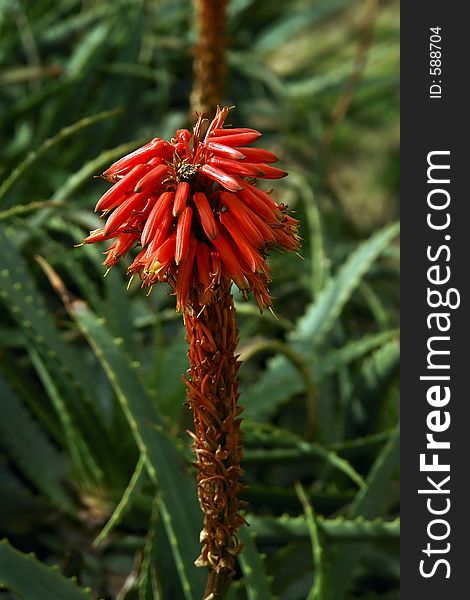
{"x": 272, "y": 172}
{"x": 287, "y": 241}
{"x": 225, "y": 151}
{"x": 160, "y": 260}
{"x": 236, "y": 131}
{"x": 139, "y": 156}
{"x": 166, "y": 252}
{"x": 119, "y": 248}
{"x": 249, "y": 253}
{"x": 98, "y": 235}
{"x": 133, "y": 204}
{"x": 243, "y": 213}
{"x": 181, "y": 196}
{"x": 206, "y": 215}
{"x": 262, "y": 195}
{"x": 157, "y": 148}
{"x": 203, "y": 261}
{"x": 183, "y": 284}
{"x": 153, "y": 220}
{"x": 160, "y": 233}
{"x": 258, "y": 206}
{"x": 151, "y": 178}
{"x": 257, "y": 155}
{"x": 184, "y": 135}
{"x": 230, "y": 260}
{"x": 221, "y": 177}
{"x": 216, "y": 271}
{"x": 236, "y": 167}
{"x": 113, "y": 196}
{"x": 237, "y": 139}
{"x": 156, "y": 160}
{"x": 183, "y": 232}
{"x": 265, "y": 229}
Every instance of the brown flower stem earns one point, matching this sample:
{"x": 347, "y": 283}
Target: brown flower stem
{"x": 345, "y": 99}
{"x": 209, "y": 56}
{"x": 212, "y": 335}
{"x": 217, "y": 586}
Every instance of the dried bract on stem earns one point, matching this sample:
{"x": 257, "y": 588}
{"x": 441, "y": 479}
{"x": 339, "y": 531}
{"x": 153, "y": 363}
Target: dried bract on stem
{"x": 212, "y": 395}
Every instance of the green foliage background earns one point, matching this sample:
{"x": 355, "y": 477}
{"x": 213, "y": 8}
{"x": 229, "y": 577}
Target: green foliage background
{"x": 95, "y": 473}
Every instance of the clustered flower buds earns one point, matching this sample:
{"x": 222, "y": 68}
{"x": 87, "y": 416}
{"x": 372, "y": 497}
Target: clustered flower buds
{"x": 193, "y": 206}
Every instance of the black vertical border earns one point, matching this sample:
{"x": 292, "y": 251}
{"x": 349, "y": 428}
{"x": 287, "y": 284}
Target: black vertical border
{"x": 426, "y": 125}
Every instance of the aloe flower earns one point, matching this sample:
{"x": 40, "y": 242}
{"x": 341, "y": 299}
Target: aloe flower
{"x": 194, "y": 208}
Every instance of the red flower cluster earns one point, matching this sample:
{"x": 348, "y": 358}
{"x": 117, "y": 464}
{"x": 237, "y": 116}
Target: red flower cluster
{"x": 193, "y": 206}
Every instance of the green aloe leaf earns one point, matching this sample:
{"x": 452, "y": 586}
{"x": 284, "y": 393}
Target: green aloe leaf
{"x": 362, "y": 445}
{"x": 63, "y": 134}
{"x": 164, "y": 461}
{"x": 24, "y": 575}
{"x": 148, "y": 585}
{"x": 71, "y": 25}
{"x": 60, "y": 363}
{"x": 286, "y": 528}
{"x": 368, "y": 503}
{"x": 373, "y": 393}
{"x": 92, "y": 167}
{"x": 30, "y": 447}
{"x": 369, "y": 500}
{"x": 252, "y": 564}
{"x": 285, "y": 498}
{"x": 169, "y": 361}
{"x": 318, "y": 259}
{"x": 280, "y": 380}
{"x": 286, "y": 446}
{"x": 27, "y": 306}
{"x": 66, "y": 191}
{"x": 294, "y": 23}
{"x": 79, "y": 451}
{"x": 284, "y": 382}
{"x": 321, "y": 590}
{"x": 352, "y": 351}
{"x": 321, "y": 316}
{"x": 125, "y": 502}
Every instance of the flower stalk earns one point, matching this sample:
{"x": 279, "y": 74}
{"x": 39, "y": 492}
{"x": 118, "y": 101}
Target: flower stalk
{"x": 212, "y": 336}
{"x": 201, "y": 223}
{"x": 209, "y": 67}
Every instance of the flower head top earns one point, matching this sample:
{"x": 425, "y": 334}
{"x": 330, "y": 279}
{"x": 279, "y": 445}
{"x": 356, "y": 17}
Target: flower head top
{"x": 193, "y": 206}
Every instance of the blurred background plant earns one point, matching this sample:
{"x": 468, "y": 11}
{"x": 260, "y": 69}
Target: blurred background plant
{"x": 92, "y": 433}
